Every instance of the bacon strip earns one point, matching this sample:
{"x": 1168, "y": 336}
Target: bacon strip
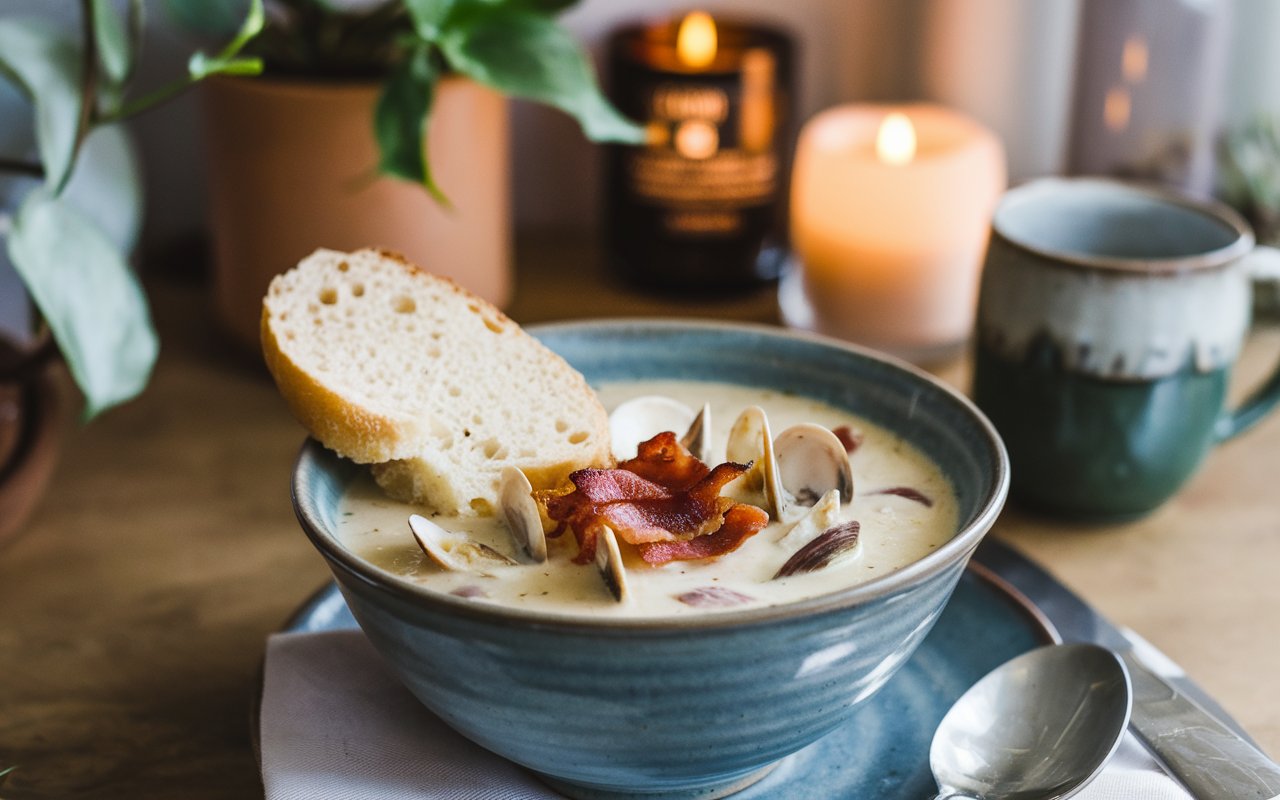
{"x": 664, "y": 495}
{"x": 741, "y": 522}
{"x": 848, "y": 437}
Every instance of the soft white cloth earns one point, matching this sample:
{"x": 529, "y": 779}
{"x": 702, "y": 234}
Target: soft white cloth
{"x": 320, "y": 741}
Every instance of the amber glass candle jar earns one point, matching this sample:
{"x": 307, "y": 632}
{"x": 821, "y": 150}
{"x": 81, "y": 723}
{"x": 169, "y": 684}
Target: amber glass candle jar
{"x": 699, "y": 207}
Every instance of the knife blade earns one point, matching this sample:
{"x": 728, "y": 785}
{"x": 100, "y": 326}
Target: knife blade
{"x": 1198, "y": 743}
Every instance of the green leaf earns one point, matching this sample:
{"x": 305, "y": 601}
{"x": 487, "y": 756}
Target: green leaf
{"x": 112, "y": 41}
{"x": 528, "y": 55}
{"x": 88, "y": 296}
{"x": 44, "y": 63}
{"x": 400, "y": 120}
{"x": 429, "y": 16}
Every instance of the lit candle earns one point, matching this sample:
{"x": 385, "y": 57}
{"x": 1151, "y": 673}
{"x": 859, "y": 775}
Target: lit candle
{"x": 696, "y": 208}
{"x": 890, "y": 210}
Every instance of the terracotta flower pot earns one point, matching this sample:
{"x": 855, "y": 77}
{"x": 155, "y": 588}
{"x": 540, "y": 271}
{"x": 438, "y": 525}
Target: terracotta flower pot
{"x": 30, "y": 430}
{"x": 292, "y": 167}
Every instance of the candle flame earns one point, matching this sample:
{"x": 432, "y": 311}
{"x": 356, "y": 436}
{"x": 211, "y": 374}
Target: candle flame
{"x": 896, "y": 141}
{"x": 696, "y": 40}
{"x": 1116, "y": 109}
{"x": 1134, "y": 59}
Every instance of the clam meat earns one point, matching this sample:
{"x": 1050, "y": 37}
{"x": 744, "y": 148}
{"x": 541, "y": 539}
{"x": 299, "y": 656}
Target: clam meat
{"x": 455, "y": 551}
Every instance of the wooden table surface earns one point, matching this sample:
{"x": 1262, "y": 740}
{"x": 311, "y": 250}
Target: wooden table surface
{"x": 135, "y": 607}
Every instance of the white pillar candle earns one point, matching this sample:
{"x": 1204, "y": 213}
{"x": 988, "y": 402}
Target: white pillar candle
{"x": 889, "y": 238}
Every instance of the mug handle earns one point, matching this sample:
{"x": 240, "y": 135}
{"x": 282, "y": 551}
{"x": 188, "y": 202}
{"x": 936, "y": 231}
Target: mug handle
{"x": 1263, "y": 264}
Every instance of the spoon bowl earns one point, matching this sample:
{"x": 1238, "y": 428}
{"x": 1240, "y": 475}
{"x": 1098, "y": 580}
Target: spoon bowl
{"x": 1039, "y": 727}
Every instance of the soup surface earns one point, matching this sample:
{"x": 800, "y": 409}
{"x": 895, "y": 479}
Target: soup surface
{"x": 896, "y": 529}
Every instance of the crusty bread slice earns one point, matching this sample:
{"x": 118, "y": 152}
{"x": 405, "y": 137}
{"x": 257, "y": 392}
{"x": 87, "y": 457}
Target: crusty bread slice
{"x": 389, "y": 365}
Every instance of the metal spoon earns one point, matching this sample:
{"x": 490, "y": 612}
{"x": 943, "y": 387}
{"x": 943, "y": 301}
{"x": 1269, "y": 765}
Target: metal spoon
{"x": 1040, "y": 727}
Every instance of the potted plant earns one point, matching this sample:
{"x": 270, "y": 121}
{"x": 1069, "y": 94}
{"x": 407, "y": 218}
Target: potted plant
{"x": 413, "y": 90}
{"x": 89, "y": 305}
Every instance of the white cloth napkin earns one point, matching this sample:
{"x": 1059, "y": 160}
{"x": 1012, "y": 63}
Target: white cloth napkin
{"x": 320, "y": 740}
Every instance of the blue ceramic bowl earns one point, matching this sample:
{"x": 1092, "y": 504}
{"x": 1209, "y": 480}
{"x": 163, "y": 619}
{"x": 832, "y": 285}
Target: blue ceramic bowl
{"x": 696, "y": 707}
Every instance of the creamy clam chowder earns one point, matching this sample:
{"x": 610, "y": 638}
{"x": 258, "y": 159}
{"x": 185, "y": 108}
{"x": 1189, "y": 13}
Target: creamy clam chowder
{"x": 903, "y": 504}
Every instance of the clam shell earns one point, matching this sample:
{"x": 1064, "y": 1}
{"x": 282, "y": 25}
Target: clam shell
{"x": 824, "y": 514}
{"x": 751, "y": 442}
{"x": 455, "y": 551}
{"x": 609, "y": 562}
{"x": 520, "y": 510}
{"x": 811, "y": 462}
{"x": 836, "y": 545}
{"x": 642, "y": 418}
{"x": 697, "y": 439}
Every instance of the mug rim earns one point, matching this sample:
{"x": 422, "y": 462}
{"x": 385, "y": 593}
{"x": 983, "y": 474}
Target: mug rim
{"x": 1165, "y": 265}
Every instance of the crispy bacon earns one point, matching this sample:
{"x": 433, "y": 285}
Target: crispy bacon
{"x": 663, "y": 496}
{"x": 741, "y": 522}
{"x": 848, "y": 437}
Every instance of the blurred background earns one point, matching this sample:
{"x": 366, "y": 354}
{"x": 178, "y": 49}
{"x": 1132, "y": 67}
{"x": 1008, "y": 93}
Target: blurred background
{"x": 1009, "y": 63}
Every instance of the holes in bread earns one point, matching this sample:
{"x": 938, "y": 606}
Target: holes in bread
{"x": 343, "y": 266}
{"x": 481, "y": 506}
{"x": 492, "y": 324}
{"x": 328, "y": 295}
{"x": 357, "y": 290}
{"x": 404, "y": 305}
{"x": 578, "y": 437}
{"x": 455, "y": 391}
{"x": 492, "y": 448}
{"x": 561, "y": 426}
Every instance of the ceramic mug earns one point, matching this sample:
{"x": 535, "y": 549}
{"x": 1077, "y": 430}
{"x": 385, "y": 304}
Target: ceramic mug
{"x": 1109, "y": 319}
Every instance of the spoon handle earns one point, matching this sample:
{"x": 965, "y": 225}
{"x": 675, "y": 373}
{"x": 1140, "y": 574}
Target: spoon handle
{"x": 1207, "y": 757}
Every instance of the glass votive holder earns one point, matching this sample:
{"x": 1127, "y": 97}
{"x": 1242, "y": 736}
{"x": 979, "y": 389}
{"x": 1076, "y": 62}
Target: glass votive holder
{"x": 890, "y": 212}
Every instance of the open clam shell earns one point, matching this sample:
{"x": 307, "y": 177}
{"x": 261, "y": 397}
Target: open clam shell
{"x": 455, "y": 551}
{"x": 697, "y": 439}
{"x": 609, "y": 562}
{"x": 642, "y": 418}
{"x": 811, "y": 462}
{"x": 824, "y": 514}
{"x": 751, "y": 442}
{"x": 520, "y": 510}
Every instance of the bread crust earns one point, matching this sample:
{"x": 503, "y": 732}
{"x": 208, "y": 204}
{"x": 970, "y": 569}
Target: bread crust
{"x": 408, "y": 451}
{"x": 347, "y": 429}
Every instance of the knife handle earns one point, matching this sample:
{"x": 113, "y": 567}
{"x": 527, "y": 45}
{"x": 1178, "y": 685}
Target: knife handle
{"x": 1206, "y": 756}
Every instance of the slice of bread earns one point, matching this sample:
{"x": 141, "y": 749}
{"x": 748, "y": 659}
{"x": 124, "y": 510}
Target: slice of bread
{"x": 388, "y": 365}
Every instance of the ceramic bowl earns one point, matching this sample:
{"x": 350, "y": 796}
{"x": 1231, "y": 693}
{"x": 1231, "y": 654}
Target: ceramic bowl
{"x": 696, "y": 707}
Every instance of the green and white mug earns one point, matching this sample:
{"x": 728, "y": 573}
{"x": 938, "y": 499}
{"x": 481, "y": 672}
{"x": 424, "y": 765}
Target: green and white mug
{"x": 1109, "y": 319}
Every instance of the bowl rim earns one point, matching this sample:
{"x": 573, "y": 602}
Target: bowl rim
{"x": 955, "y": 550}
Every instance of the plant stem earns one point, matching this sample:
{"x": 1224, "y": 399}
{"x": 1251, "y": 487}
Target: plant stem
{"x": 162, "y": 95}
{"x": 88, "y": 73}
